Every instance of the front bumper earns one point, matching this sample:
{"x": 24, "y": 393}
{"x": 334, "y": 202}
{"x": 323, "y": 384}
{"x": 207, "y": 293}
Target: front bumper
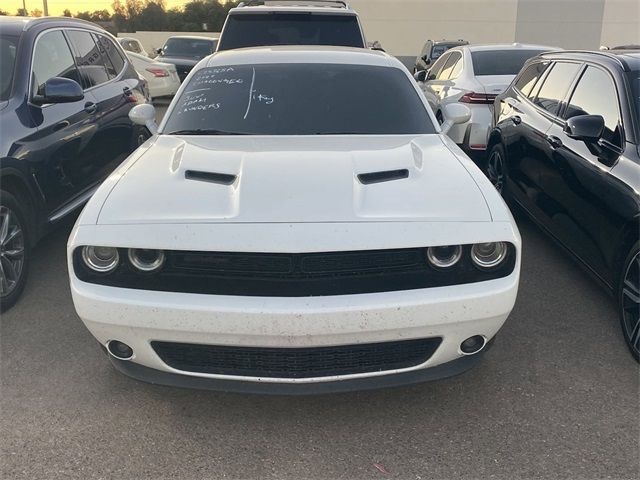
{"x": 139, "y": 317}
{"x": 158, "y": 377}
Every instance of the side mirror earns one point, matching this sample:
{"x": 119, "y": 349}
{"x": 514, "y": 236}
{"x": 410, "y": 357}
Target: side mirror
{"x": 427, "y": 61}
{"x": 588, "y": 128}
{"x": 144, "y": 115}
{"x": 59, "y": 90}
{"x": 454, "y": 114}
{"x": 158, "y": 51}
{"x": 420, "y": 76}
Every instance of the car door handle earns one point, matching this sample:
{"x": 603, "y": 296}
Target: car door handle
{"x": 554, "y": 141}
{"x": 61, "y": 125}
{"x": 90, "y": 107}
{"x": 516, "y": 120}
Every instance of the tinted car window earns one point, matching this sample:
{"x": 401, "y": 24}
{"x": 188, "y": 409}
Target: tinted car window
{"x": 434, "y": 71}
{"x": 131, "y": 46}
{"x": 251, "y": 30}
{"x": 8, "y": 48}
{"x": 528, "y": 78}
{"x": 88, "y": 58}
{"x": 188, "y": 47}
{"x": 113, "y": 61}
{"x": 438, "y": 50}
{"x": 596, "y": 94}
{"x": 555, "y": 86}
{"x": 634, "y": 80}
{"x": 449, "y": 66}
{"x": 300, "y": 99}
{"x": 457, "y": 68}
{"x": 52, "y": 58}
{"x": 501, "y": 62}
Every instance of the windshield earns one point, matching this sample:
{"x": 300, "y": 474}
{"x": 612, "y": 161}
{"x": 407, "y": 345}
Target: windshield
{"x": 438, "y": 50}
{"x": 501, "y": 62}
{"x": 188, "y": 47}
{"x": 254, "y": 30}
{"x": 8, "y": 48}
{"x": 299, "y": 99}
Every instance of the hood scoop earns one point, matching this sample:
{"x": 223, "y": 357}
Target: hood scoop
{"x": 211, "y": 177}
{"x": 383, "y": 176}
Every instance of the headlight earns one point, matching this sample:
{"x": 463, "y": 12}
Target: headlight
{"x": 146, "y": 260}
{"x": 489, "y": 255}
{"x": 100, "y": 259}
{"x": 445, "y": 256}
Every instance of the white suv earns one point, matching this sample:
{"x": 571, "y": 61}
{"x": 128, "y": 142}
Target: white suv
{"x": 474, "y": 75}
{"x": 296, "y": 22}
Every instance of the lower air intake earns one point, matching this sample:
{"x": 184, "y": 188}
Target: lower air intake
{"x": 296, "y": 362}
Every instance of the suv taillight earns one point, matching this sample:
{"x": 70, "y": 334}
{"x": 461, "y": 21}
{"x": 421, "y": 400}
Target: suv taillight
{"x": 478, "y": 98}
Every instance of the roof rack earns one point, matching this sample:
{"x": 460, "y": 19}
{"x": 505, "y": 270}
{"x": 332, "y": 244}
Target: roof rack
{"x": 601, "y": 53}
{"x": 327, "y": 3}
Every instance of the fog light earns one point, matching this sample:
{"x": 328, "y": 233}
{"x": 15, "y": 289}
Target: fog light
{"x": 146, "y": 260}
{"x": 489, "y": 255}
{"x": 472, "y": 345}
{"x": 120, "y": 350}
{"x": 445, "y": 256}
{"x": 100, "y": 259}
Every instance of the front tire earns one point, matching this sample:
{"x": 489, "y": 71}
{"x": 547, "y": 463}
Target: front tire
{"x": 496, "y": 169}
{"x": 14, "y": 250}
{"x": 629, "y": 301}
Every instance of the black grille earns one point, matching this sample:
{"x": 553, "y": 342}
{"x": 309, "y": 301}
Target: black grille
{"x": 296, "y": 362}
{"x": 294, "y": 274}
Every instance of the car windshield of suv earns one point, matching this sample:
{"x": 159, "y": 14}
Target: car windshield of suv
{"x": 438, "y": 50}
{"x": 188, "y": 47}
{"x": 501, "y": 62}
{"x": 253, "y": 30}
{"x": 299, "y": 99}
{"x": 8, "y": 48}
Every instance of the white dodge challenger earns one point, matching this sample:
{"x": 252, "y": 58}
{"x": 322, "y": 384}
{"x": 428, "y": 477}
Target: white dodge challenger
{"x": 297, "y": 223}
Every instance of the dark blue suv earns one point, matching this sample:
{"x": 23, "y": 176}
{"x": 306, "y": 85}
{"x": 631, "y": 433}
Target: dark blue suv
{"x": 66, "y": 88}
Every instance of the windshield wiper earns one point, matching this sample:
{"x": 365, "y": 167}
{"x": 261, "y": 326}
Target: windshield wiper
{"x": 205, "y": 131}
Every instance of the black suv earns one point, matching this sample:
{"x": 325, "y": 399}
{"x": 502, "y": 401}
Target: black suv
{"x": 566, "y": 148}
{"x": 256, "y": 23}
{"x": 432, "y": 50}
{"x": 66, "y": 88}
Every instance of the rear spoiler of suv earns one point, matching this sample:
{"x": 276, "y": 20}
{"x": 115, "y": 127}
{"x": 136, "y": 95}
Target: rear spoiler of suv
{"x": 314, "y": 3}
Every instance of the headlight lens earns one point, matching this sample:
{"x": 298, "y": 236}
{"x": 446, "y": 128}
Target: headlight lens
{"x": 146, "y": 260}
{"x": 445, "y": 256}
{"x": 100, "y": 259}
{"x": 489, "y": 255}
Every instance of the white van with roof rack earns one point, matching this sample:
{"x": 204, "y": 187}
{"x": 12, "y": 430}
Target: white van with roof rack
{"x": 259, "y": 23}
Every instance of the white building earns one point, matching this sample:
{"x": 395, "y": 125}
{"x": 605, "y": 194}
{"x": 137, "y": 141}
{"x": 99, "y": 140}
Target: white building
{"x": 402, "y": 26}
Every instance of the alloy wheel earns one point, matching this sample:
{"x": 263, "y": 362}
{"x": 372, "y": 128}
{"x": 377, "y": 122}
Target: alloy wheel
{"x": 631, "y": 303}
{"x": 11, "y": 251}
{"x": 495, "y": 170}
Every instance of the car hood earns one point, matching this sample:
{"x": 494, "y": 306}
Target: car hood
{"x": 495, "y": 84}
{"x": 293, "y": 180}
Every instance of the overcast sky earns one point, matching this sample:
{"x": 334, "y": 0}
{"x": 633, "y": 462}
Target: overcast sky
{"x": 56, "y": 7}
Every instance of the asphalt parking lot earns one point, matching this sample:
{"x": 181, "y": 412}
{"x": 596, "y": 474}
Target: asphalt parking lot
{"x": 556, "y": 397}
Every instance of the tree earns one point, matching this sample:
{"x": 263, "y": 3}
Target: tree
{"x": 36, "y": 13}
{"x": 152, "y": 16}
{"x": 67, "y": 13}
{"x": 22, "y": 13}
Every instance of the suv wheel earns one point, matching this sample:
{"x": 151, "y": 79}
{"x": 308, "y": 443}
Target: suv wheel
{"x": 629, "y": 301}
{"x": 496, "y": 170}
{"x": 14, "y": 249}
